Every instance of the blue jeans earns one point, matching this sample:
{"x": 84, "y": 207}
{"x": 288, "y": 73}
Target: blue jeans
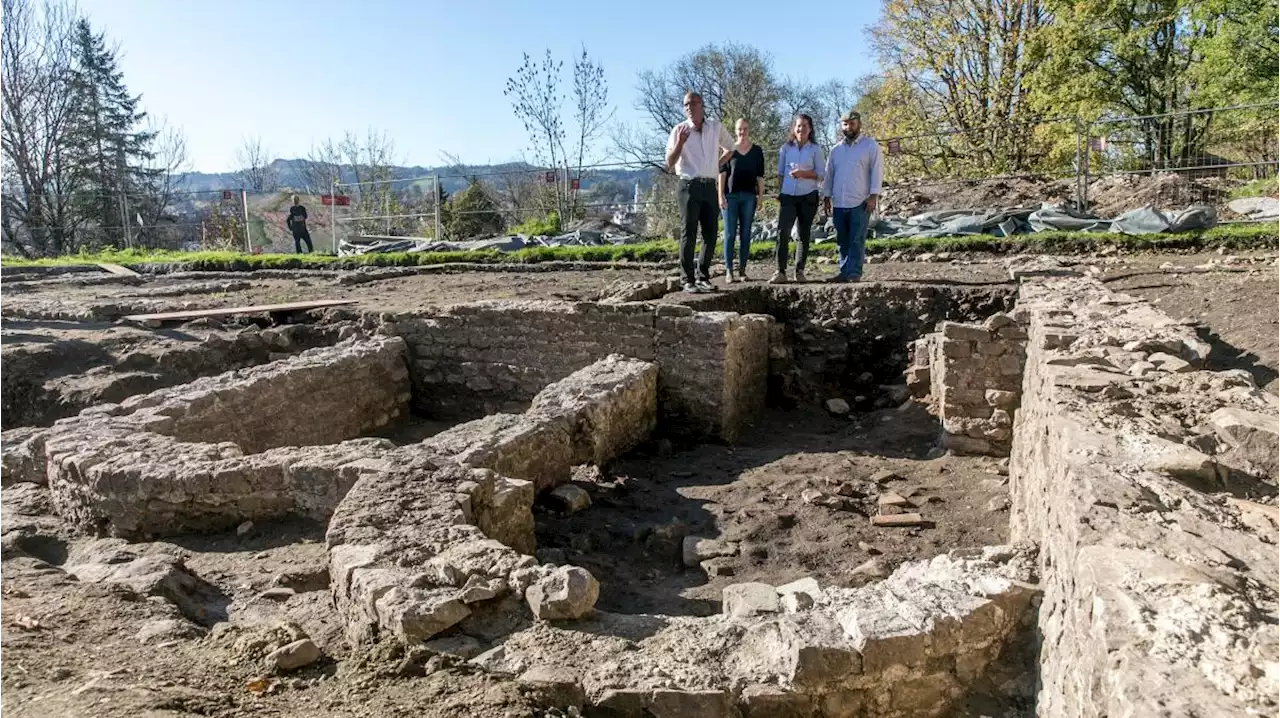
{"x": 739, "y": 211}
{"x": 851, "y": 238}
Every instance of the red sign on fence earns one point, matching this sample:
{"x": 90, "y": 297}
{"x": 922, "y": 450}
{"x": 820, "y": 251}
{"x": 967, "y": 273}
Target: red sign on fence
{"x": 341, "y": 200}
{"x": 549, "y": 177}
{"x": 573, "y": 184}
{"x": 1098, "y": 144}
{"x": 226, "y": 194}
{"x": 894, "y": 147}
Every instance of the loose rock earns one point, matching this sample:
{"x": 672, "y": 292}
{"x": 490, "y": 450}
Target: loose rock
{"x": 568, "y": 592}
{"x": 294, "y": 656}
{"x": 570, "y": 499}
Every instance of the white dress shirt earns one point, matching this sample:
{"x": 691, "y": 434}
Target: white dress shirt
{"x": 701, "y": 154}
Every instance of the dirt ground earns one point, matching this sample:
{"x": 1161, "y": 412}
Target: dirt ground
{"x": 1233, "y": 305}
{"x": 750, "y": 495}
{"x": 211, "y": 290}
{"x": 73, "y": 648}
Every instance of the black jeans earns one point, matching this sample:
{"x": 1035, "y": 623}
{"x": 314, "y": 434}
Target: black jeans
{"x": 791, "y": 207}
{"x": 699, "y": 206}
{"x": 300, "y": 236}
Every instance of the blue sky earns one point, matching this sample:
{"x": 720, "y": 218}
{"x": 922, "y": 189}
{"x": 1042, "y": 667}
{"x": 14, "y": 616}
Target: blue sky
{"x": 429, "y": 74}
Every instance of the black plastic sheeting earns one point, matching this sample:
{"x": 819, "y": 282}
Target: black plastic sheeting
{"x": 1023, "y": 220}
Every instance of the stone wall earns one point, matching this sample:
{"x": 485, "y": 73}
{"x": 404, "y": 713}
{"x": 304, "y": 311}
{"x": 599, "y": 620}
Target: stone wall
{"x": 972, "y": 375}
{"x": 443, "y": 529}
{"x": 591, "y": 416}
{"x": 169, "y": 461}
{"x": 1159, "y": 574}
{"x": 46, "y": 381}
{"x": 476, "y": 359}
{"x": 851, "y": 340}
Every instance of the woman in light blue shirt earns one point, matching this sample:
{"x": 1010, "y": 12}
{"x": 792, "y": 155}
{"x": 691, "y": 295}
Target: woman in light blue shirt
{"x": 800, "y": 167}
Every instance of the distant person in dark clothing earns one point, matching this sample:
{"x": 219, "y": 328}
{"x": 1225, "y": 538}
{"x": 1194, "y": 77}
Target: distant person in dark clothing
{"x": 741, "y": 184}
{"x": 297, "y": 223}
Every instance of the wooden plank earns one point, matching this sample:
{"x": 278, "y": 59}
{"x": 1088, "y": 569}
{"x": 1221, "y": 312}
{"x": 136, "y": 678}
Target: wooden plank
{"x": 232, "y": 311}
{"x": 117, "y": 269}
{"x": 898, "y": 520}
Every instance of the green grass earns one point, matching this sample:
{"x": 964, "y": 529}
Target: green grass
{"x": 1231, "y": 237}
{"x": 535, "y": 226}
{"x": 1257, "y": 188}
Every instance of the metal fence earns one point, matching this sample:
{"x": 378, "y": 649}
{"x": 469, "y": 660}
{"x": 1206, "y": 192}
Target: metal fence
{"x": 173, "y": 219}
{"x": 1106, "y": 166}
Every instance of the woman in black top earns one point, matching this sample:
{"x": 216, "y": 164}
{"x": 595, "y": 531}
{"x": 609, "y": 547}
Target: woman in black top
{"x": 741, "y": 183}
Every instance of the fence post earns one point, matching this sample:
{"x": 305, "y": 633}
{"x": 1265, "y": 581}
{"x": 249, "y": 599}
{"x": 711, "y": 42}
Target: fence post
{"x": 1084, "y": 169}
{"x": 244, "y": 205}
{"x": 1078, "y": 167}
{"x": 333, "y": 216}
{"x": 436, "y": 180}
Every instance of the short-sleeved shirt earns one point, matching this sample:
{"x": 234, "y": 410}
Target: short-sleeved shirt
{"x": 744, "y": 170}
{"x": 701, "y": 154}
{"x": 297, "y": 220}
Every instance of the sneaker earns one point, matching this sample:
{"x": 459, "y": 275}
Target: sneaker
{"x": 742, "y": 276}
{"x": 778, "y": 278}
{"x": 705, "y": 285}
{"x": 838, "y": 279}
{"x": 728, "y": 277}
{"x": 694, "y": 289}
{"x": 800, "y": 278}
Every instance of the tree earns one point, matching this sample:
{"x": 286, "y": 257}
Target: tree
{"x": 110, "y": 151}
{"x": 366, "y": 167}
{"x": 537, "y": 100}
{"x": 963, "y": 62}
{"x": 159, "y": 183}
{"x": 36, "y": 64}
{"x": 256, "y": 172}
{"x": 734, "y": 81}
{"x": 591, "y": 112}
{"x": 472, "y": 212}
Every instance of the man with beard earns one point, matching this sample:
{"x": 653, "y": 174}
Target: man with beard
{"x": 852, "y": 184}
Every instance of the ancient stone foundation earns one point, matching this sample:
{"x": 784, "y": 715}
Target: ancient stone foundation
{"x": 253, "y": 444}
{"x": 973, "y": 377}
{"x": 1159, "y": 599}
{"x": 475, "y": 359}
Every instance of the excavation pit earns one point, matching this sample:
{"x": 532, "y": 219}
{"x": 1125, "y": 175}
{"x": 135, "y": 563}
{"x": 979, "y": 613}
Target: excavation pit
{"x": 747, "y": 549}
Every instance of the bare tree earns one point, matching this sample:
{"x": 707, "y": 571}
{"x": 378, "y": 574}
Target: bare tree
{"x": 256, "y": 172}
{"x": 36, "y": 66}
{"x": 535, "y": 96}
{"x": 591, "y": 112}
{"x": 168, "y": 162}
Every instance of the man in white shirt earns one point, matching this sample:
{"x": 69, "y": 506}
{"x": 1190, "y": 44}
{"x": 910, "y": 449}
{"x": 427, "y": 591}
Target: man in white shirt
{"x": 693, "y": 154}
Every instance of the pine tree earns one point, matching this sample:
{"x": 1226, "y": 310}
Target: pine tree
{"x": 111, "y": 151}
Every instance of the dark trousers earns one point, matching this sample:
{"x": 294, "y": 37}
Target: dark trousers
{"x": 851, "y": 238}
{"x": 791, "y": 208}
{"x": 740, "y": 209}
{"x": 300, "y": 236}
{"x": 699, "y": 207}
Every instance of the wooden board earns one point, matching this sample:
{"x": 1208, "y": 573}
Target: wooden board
{"x": 155, "y": 319}
{"x": 117, "y": 269}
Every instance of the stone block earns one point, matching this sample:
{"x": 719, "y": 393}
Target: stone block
{"x": 957, "y": 349}
{"x": 765, "y": 701}
{"x": 964, "y": 332}
{"x": 569, "y": 592}
{"x": 695, "y": 550}
{"x": 1169, "y": 363}
{"x": 999, "y": 398}
{"x": 1251, "y": 440}
{"x": 612, "y": 406}
{"x": 741, "y": 600}
{"x": 667, "y": 703}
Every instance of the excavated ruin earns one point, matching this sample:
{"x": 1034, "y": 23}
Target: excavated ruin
{"x": 1137, "y": 575}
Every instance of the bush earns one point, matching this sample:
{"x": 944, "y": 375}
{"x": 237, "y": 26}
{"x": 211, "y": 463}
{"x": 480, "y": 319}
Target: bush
{"x": 548, "y": 225}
